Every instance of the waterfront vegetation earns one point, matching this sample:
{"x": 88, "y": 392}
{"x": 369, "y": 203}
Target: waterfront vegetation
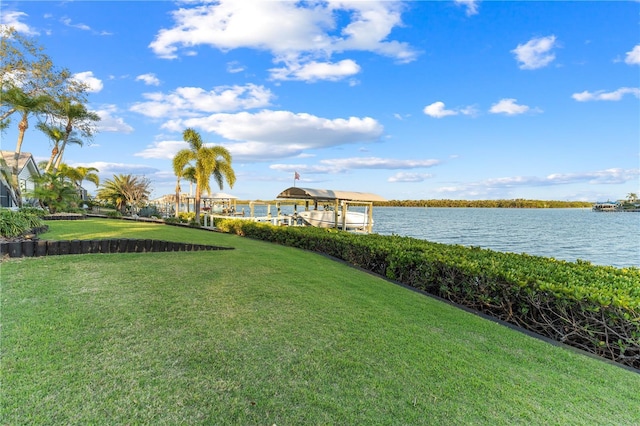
{"x": 269, "y": 334}
{"x": 518, "y": 203}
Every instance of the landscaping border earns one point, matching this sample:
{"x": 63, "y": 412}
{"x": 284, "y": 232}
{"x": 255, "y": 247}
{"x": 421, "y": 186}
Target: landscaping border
{"x": 37, "y": 248}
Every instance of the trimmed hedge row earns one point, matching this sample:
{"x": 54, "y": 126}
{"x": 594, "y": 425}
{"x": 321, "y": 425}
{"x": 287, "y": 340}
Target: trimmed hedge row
{"x": 593, "y": 308}
{"x": 31, "y": 248}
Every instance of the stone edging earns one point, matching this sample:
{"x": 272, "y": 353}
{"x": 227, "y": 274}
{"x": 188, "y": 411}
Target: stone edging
{"x": 36, "y": 248}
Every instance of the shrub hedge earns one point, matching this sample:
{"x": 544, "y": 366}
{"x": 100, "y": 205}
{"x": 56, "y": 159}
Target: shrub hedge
{"x": 593, "y": 308}
{"x": 16, "y": 223}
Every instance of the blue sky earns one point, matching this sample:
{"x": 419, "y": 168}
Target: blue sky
{"x": 408, "y": 100}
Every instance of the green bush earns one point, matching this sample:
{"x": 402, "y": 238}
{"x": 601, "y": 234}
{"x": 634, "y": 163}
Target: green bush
{"x": 36, "y": 211}
{"x": 113, "y": 213}
{"x": 16, "y": 223}
{"x": 186, "y": 217}
{"x": 149, "y": 211}
{"x": 594, "y": 308}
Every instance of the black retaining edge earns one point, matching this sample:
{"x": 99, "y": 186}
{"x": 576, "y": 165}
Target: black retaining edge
{"x": 36, "y": 248}
{"x": 64, "y": 217}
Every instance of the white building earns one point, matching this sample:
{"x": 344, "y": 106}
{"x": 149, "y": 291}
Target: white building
{"x": 27, "y": 168}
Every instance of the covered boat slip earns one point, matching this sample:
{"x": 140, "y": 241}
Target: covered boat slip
{"x": 311, "y": 207}
{"x": 219, "y": 203}
{"x": 336, "y": 207}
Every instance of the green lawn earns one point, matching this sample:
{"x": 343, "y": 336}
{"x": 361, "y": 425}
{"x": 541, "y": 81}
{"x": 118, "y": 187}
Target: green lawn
{"x": 265, "y": 335}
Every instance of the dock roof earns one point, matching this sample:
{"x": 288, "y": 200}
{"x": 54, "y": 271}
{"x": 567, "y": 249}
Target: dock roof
{"x": 327, "y": 194}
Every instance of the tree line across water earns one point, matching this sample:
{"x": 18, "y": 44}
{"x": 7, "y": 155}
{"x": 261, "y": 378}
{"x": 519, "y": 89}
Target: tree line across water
{"x": 518, "y": 203}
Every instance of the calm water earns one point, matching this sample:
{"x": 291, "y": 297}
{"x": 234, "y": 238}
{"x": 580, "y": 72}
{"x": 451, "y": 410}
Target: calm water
{"x": 566, "y": 234}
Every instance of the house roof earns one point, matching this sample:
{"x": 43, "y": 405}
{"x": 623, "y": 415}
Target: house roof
{"x": 23, "y": 160}
{"x": 327, "y": 194}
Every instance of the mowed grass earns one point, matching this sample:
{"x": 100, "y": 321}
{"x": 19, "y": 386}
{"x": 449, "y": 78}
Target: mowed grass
{"x": 265, "y": 335}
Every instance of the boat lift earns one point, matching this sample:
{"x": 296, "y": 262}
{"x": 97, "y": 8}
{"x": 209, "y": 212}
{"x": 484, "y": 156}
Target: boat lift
{"x": 338, "y": 200}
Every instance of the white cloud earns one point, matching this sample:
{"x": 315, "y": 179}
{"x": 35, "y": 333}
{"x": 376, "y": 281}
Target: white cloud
{"x": 314, "y": 71}
{"x": 261, "y": 151}
{"x": 469, "y": 110}
{"x": 601, "y": 95}
{"x": 371, "y": 23}
{"x": 607, "y": 176}
{"x": 162, "y": 150}
{"x": 285, "y": 127}
{"x": 109, "y": 169}
{"x": 536, "y": 53}
{"x": 341, "y": 165}
{"x": 379, "y": 163}
{"x": 268, "y": 135}
{"x": 68, "y": 23}
{"x": 94, "y": 84}
{"x": 193, "y": 101}
{"x": 633, "y": 56}
{"x": 234, "y": 67}
{"x": 241, "y": 151}
{"x": 401, "y": 117}
{"x": 296, "y": 34}
{"x": 509, "y": 107}
{"x": 224, "y": 25}
{"x": 13, "y": 19}
{"x": 110, "y": 123}
{"x": 149, "y": 79}
{"x": 470, "y": 5}
{"x": 612, "y": 176}
{"x": 437, "y": 110}
{"x": 409, "y": 177}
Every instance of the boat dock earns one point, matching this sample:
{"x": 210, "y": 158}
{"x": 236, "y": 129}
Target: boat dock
{"x": 309, "y": 207}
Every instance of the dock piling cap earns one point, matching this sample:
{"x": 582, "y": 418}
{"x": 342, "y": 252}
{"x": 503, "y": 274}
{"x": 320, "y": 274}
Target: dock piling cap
{"x": 327, "y": 194}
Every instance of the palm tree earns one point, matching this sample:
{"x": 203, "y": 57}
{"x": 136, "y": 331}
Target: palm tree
{"x": 79, "y": 174}
{"x": 25, "y": 105}
{"x": 632, "y": 197}
{"x": 55, "y": 192}
{"x": 57, "y": 135}
{"x": 87, "y": 173}
{"x": 207, "y": 161}
{"x": 188, "y": 173}
{"x": 74, "y": 115}
{"x": 125, "y": 191}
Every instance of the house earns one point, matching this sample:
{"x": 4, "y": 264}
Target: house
{"x": 607, "y": 206}
{"x": 27, "y": 168}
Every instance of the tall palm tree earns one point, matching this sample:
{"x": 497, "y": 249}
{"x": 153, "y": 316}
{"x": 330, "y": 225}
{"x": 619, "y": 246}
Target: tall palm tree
{"x": 207, "y": 161}
{"x": 183, "y": 172}
{"x": 189, "y": 173}
{"x": 25, "y": 105}
{"x": 124, "y": 191}
{"x": 57, "y": 135}
{"x": 74, "y": 115}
